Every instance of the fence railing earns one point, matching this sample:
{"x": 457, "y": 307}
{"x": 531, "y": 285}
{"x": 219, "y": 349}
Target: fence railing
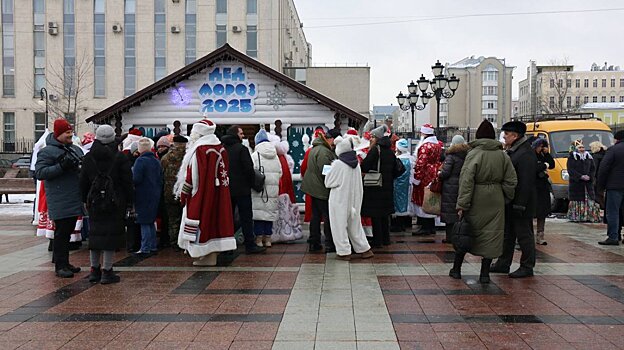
{"x": 21, "y": 145}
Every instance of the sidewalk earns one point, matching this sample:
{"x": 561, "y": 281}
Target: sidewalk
{"x": 289, "y": 299}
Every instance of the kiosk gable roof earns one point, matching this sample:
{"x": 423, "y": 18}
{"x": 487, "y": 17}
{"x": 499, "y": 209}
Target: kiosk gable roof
{"x": 226, "y": 52}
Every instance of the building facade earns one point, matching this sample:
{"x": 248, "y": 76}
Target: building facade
{"x": 612, "y": 113}
{"x": 484, "y": 92}
{"x": 89, "y": 54}
{"x": 556, "y": 89}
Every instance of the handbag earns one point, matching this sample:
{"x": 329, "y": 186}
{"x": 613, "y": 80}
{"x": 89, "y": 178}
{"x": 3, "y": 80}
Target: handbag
{"x": 374, "y": 178}
{"x": 432, "y": 202}
{"x": 462, "y": 238}
{"x": 259, "y": 177}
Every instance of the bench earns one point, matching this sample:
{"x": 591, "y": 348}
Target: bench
{"x": 11, "y": 184}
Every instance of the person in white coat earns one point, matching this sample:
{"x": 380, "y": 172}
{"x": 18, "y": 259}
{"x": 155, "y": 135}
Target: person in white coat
{"x": 345, "y": 201}
{"x": 265, "y": 203}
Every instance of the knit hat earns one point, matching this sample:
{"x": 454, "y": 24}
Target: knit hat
{"x": 261, "y": 136}
{"x": 163, "y": 141}
{"x": 134, "y": 146}
{"x": 145, "y": 145}
{"x": 539, "y": 142}
{"x": 578, "y": 143}
{"x": 204, "y": 127}
{"x": 379, "y": 132}
{"x": 343, "y": 145}
{"x": 105, "y": 133}
{"x": 179, "y": 139}
{"x": 274, "y": 139}
{"x": 427, "y": 129}
{"x": 619, "y": 135}
{"x": 318, "y": 132}
{"x": 458, "y": 140}
{"x": 136, "y": 132}
{"x": 402, "y": 145}
{"x": 515, "y": 126}
{"x": 332, "y": 134}
{"x": 486, "y": 131}
{"x": 60, "y": 126}
{"x": 87, "y": 138}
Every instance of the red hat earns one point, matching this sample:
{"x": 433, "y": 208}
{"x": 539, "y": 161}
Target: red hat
{"x": 136, "y": 132}
{"x": 352, "y": 131}
{"x": 60, "y": 126}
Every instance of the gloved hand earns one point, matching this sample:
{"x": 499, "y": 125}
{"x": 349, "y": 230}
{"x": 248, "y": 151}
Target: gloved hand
{"x": 67, "y": 163}
{"x": 585, "y": 177}
{"x": 518, "y": 210}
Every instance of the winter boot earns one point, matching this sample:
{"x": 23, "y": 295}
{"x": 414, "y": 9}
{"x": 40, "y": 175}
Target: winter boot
{"x": 208, "y": 260}
{"x": 109, "y": 276}
{"x": 51, "y": 246}
{"x": 457, "y": 263}
{"x": 259, "y": 241}
{"x": 484, "y": 276}
{"x": 367, "y": 254}
{"x": 266, "y": 240}
{"x": 95, "y": 275}
{"x": 315, "y": 248}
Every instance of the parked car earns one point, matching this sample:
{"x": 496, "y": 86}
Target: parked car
{"x": 5, "y": 163}
{"x": 22, "y": 162}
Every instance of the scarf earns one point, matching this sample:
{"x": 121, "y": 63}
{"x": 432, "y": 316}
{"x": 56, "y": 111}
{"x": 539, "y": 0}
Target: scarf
{"x": 349, "y": 158}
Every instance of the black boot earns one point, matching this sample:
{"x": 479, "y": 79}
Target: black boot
{"x": 457, "y": 263}
{"x": 484, "y": 276}
{"x": 109, "y": 276}
{"x": 95, "y": 275}
{"x": 315, "y": 248}
{"x": 51, "y": 246}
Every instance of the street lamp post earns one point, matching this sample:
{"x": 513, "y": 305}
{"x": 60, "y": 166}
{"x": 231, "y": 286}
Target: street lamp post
{"x": 44, "y": 92}
{"x": 439, "y": 85}
{"x": 410, "y": 101}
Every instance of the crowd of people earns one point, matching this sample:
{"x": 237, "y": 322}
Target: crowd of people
{"x": 193, "y": 193}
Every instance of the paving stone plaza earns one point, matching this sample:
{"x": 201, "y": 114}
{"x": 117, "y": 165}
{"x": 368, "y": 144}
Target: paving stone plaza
{"x": 290, "y": 299}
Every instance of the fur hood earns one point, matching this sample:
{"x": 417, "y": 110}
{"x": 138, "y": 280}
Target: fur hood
{"x": 462, "y": 148}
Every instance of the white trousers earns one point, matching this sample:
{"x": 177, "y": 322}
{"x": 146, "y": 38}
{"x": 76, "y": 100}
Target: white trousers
{"x": 347, "y": 230}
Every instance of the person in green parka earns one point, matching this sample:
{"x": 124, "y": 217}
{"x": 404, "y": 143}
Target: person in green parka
{"x": 486, "y": 183}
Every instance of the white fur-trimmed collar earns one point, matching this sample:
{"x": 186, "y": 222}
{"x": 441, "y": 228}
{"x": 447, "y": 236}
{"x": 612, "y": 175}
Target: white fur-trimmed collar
{"x": 207, "y": 140}
{"x": 430, "y": 139}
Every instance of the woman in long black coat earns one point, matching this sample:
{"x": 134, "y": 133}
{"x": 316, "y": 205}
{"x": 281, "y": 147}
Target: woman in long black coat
{"x": 449, "y": 175}
{"x": 582, "y": 171}
{"x": 598, "y": 151}
{"x": 542, "y": 206}
{"x": 378, "y": 202}
{"x": 107, "y": 230}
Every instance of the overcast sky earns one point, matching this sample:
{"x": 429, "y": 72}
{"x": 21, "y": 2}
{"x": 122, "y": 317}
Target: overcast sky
{"x": 400, "y": 51}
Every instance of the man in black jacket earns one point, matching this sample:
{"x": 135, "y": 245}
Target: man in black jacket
{"x": 611, "y": 179}
{"x": 519, "y": 213}
{"x": 241, "y": 177}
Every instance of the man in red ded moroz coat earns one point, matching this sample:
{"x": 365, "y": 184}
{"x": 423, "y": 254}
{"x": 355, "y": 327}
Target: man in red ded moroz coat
{"x": 207, "y": 226}
{"x": 426, "y": 170}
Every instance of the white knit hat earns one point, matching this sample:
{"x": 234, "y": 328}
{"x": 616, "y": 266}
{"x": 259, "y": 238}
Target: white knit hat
{"x": 204, "y": 127}
{"x": 427, "y": 129}
{"x": 343, "y": 145}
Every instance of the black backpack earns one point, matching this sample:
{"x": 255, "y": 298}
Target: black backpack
{"x": 102, "y": 199}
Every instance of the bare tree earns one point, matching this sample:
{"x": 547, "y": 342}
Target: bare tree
{"x": 558, "y": 96}
{"x": 70, "y": 86}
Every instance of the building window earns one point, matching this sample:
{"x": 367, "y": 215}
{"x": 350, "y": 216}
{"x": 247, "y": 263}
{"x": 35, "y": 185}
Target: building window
{"x": 190, "y": 32}
{"x": 604, "y": 82}
{"x": 490, "y": 73}
{"x": 129, "y": 47}
{"x": 604, "y": 98}
{"x": 552, "y": 83}
{"x": 621, "y": 98}
{"x": 551, "y": 103}
{"x": 252, "y": 7}
{"x": 221, "y": 6}
{"x": 586, "y": 99}
{"x": 569, "y": 83}
{"x": 160, "y": 39}
{"x": 69, "y": 47}
{"x": 612, "y": 98}
{"x": 490, "y": 90}
{"x": 595, "y": 83}
{"x": 578, "y": 101}
{"x": 586, "y": 83}
{"x": 71, "y": 118}
{"x": 39, "y": 46}
{"x": 594, "y": 99}
{"x": 578, "y": 83}
{"x": 490, "y": 117}
{"x": 221, "y": 35}
{"x": 621, "y": 82}
{"x": 8, "y": 122}
{"x": 40, "y": 125}
{"x": 99, "y": 48}
{"x": 569, "y": 102}
{"x": 489, "y": 105}
{"x": 8, "y": 49}
{"x": 252, "y": 41}
{"x": 612, "y": 82}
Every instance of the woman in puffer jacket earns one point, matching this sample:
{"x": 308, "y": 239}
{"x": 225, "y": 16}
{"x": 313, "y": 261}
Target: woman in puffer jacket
{"x": 265, "y": 203}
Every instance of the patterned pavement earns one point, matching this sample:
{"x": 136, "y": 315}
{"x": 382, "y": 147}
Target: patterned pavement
{"x": 289, "y": 299}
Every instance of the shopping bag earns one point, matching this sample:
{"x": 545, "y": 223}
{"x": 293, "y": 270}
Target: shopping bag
{"x": 432, "y": 202}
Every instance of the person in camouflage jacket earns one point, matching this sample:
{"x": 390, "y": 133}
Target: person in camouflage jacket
{"x": 171, "y": 163}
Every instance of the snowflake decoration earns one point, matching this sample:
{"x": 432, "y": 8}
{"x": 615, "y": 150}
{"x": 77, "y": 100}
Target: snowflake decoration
{"x": 295, "y": 144}
{"x": 276, "y": 98}
{"x": 180, "y": 96}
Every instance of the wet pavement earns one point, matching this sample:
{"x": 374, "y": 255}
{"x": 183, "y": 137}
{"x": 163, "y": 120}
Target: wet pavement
{"x": 289, "y": 299}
